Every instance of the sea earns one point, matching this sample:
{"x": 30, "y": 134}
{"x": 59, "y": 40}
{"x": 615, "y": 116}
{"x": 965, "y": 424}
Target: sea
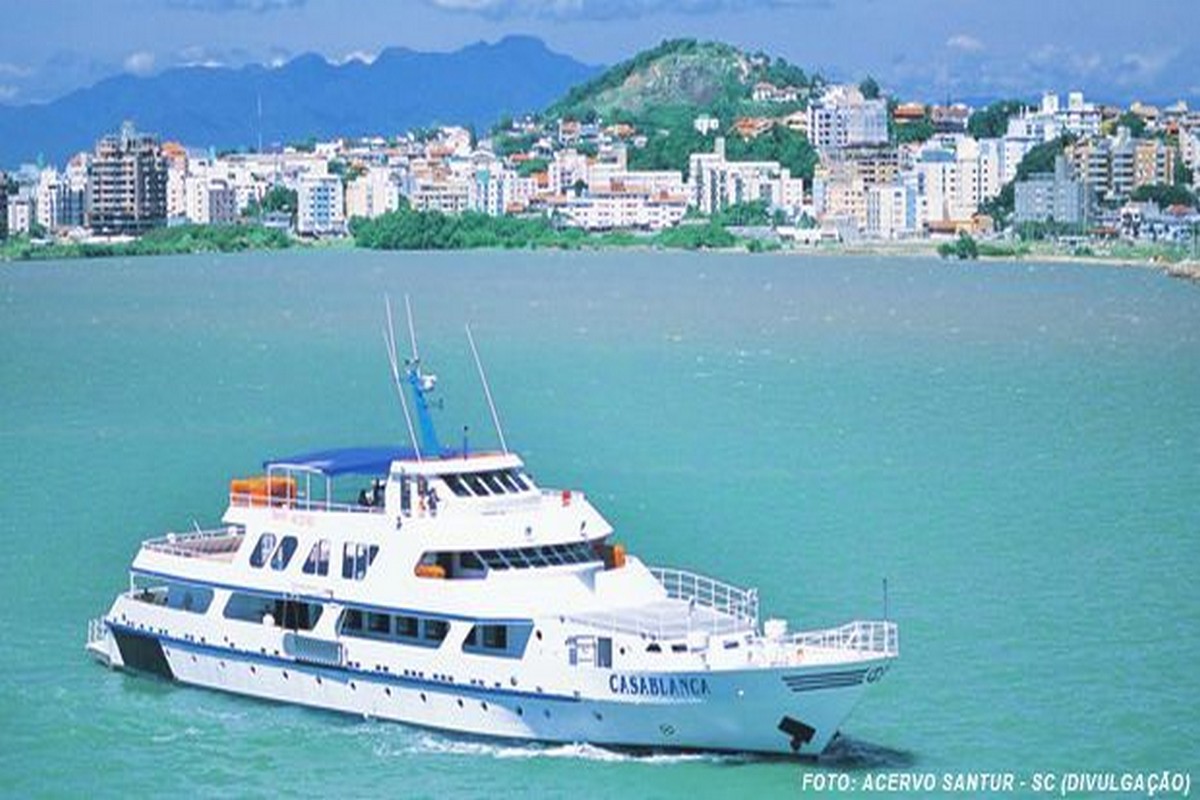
{"x": 1013, "y": 447}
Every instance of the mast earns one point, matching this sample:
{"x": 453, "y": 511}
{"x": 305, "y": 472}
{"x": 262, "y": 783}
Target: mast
{"x": 421, "y": 385}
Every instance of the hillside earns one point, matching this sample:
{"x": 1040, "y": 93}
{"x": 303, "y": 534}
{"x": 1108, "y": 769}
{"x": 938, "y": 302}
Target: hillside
{"x": 307, "y": 97}
{"x": 663, "y": 90}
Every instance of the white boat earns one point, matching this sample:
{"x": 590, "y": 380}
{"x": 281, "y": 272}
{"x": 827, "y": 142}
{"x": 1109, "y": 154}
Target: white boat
{"x": 446, "y": 589}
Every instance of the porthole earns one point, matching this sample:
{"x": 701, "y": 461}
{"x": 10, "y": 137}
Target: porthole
{"x": 460, "y": 702}
{"x": 520, "y": 711}
{"x": 483, "y": 705}
{"x": 422, "y": 697}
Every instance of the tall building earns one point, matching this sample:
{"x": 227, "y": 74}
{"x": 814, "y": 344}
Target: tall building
{"x": 321, "y": 206}
{"x": 1052, "y": 197}
{"x": 844, "y": 118}
{"x": 128, "y": 184}
{"x": 715, "y": 184}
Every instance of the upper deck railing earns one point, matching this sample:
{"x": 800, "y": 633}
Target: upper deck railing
{"x": 246, "y": 500}
{"x": 217, "y": 543}
{"x": 724, "y": 598}
{"x": 875, "y": 637}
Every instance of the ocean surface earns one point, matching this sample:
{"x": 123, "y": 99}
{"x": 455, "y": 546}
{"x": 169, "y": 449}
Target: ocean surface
{"x": 1015, "y": 447}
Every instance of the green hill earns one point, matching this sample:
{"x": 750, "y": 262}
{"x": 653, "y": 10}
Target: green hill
{"x": 661, "y": 91}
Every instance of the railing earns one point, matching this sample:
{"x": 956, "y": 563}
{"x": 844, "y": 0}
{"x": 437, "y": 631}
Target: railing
{"x": 213, "y": 543}
{"x": 97, "y": 630}
{"x": 741, "y": 604}
{"x": 877, "y": 637}
{"x": 299, "y": 504}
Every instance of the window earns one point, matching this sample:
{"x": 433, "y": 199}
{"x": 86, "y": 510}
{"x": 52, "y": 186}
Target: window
{"x": 456, "y": 485}
{"x": 356, "y": 557}
{"x": 283, "y": 554}
{"x": 352, "y": 620}
{"x": 408, "y": 627}
{"x": 495, "y": 637}
{"x": 435, "y": 630}
{"x": 469, "y": 560}
{"x": 604, "y": 652}
{"x": 379, "y": 623}
{"x": 492, "y": 483}
{"x": 506, "y": 640}
{"x": 493, "y": 559}
{"x": 476, "y": 485}
{"x": 263, "y": 550}
{"x": 317, "y": 562}
{"x": 519, "y": 479}
{"x": 506, "y": 478}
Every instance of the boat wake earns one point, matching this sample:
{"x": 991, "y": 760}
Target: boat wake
{"x": 428, "y": 743}
{"x": 848, "y": 753}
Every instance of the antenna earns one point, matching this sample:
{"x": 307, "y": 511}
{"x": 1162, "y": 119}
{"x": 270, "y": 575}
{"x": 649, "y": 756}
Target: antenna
{"x": 389, "y": 341}
{"x": 487, "y": 392}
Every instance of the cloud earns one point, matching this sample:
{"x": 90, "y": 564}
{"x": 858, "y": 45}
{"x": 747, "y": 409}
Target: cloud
{"x": 964, "y": 42}
{"x": 220, "y": 6}
{"x": 139, "y": 63}
{"x": 612, "y": 9}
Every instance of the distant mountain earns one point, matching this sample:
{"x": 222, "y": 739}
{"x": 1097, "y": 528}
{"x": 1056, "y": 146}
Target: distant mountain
{"x": 307, "y": 97}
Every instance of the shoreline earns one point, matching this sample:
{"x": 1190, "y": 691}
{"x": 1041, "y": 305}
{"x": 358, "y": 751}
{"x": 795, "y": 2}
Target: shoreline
{"x": 1185, "y": 269}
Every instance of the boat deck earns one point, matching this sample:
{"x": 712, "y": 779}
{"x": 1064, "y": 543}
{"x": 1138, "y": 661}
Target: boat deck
{"x": 213, "y": 545}
{"x": 666, "y": 620}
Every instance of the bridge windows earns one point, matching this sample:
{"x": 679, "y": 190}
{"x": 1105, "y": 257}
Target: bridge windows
{"x": 484, "y": 484}
{"x": 476, "y": 563}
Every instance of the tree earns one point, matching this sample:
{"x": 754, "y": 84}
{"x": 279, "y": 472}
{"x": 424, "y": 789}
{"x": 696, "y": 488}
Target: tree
{"x": 1135, "y": 124}
{"x": 963, "y": 248}
{"x": 1165, "y": 195}
{"x": 992, "y": 121}
{"x": 869, "y": 88}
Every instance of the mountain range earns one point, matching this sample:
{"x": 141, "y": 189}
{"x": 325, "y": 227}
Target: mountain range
{"x": 228, "y": 108}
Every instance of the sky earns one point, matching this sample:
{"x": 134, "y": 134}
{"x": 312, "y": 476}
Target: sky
{"x": 1113, "y": 50}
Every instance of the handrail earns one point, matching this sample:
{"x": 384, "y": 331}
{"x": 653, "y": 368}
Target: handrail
{"x": 878, "y": 637}
{"x": 246, "y": 499}
{"x": 742, "y": 604}
{"x": 199, "y": 543}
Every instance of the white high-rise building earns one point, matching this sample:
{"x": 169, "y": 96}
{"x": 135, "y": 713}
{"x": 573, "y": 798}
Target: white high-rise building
{"x": 321, "y": 209}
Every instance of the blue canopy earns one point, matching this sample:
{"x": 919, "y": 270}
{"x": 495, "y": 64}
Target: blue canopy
{"x": 347, "y": 460}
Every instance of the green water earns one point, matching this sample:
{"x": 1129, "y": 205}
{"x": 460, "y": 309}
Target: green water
{"x": 1015, "y": 447}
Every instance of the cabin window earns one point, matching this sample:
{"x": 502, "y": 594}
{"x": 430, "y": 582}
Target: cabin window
{"x": 498, "y": 639}
{"x": 356, "y": 557}
{"x": 296, "y": 615}
{"x": 469, "y": 560}
{"x": 379, "y": 623}
{"x": 317, "y": 562}
{"x": 352, "y": 620}
{"x": 408, "y": 627}
{"x": 550, "y": 555}
{"x": 476, "y": 485}
{"x": 435, "y": 630}
{"x": 493, "y": 559}
{"x": 186, "y": 597}
{"x": 514, "y": 558}
{"x": 283, "y": 554}
{"x": 456, "y": 485}
{"x": 263, "y": 550}
{"x": 519, "y": 479}
{"x": 534, "y": 554}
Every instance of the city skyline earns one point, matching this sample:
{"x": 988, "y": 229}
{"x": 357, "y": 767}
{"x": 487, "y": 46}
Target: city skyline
{"x": 1111, "y": 49}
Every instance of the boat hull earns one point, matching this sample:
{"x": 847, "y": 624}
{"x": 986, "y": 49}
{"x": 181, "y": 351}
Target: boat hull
{"x": 789, "y": 711}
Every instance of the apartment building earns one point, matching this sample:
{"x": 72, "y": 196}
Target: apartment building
{"x": 320, "y": 206}
{"x": 844, "y": 118}
{"x": 128, "y": 184}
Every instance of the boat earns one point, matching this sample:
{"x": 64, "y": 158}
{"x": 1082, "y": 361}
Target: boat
{"x": 445, "y": 588}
